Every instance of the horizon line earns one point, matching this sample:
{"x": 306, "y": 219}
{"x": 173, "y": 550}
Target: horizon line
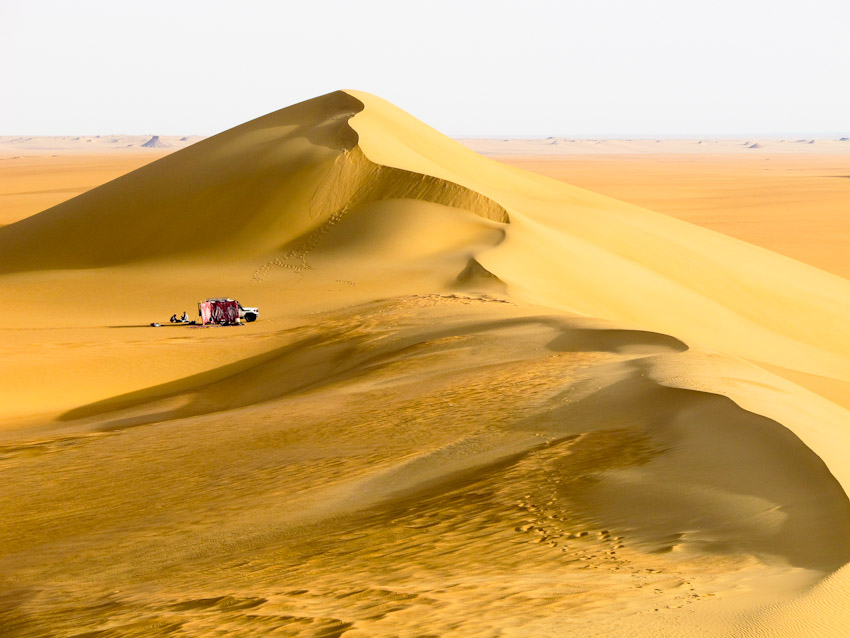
{"x": 621, "y": 136}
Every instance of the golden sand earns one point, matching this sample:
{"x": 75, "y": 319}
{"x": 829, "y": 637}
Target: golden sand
{"x": 30, "y": 184}
{"x": 478, "y": 402}
{"x": 794, "y": 204}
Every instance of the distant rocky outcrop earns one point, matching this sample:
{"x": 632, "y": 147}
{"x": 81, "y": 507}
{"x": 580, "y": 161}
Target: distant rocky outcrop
{"x": 155, "y": 142}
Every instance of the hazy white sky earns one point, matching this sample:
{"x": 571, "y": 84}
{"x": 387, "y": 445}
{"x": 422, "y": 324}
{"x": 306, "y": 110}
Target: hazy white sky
{"x": 467, "y": 67}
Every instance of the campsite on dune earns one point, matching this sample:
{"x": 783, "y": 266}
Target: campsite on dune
{"x": 476, "y": 401}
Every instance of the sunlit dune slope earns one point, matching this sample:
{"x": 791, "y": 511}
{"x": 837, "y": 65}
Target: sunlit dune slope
{"x": 592, "y": 255}
{"x": 470, "y": 383}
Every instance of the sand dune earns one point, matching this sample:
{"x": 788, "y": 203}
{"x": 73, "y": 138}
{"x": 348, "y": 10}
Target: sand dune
{"x": 478, "y": 402}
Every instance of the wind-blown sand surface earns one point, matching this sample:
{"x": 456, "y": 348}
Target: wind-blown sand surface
{"x": 478, "y": 402}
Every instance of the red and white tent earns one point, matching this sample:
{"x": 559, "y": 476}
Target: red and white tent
{"x": 220, "y": 311}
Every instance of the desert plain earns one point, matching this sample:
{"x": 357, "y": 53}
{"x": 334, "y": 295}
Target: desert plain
{"x": 500, "y": 388}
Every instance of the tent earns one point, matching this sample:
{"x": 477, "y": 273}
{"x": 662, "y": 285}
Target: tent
{"x": 220, "y": 311}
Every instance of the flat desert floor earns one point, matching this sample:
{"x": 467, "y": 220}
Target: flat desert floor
{"x": 478, "y": 401}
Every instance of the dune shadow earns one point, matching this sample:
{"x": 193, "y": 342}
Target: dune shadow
{"x": 616, "y": 341}
{"x": 705, "y": 474}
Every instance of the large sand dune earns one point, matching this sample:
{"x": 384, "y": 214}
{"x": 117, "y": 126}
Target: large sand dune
{"x": 478, "y": 402}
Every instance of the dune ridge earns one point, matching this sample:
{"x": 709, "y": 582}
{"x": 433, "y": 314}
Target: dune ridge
{"x": 502, "y": 404}
{"x": 708, "y": 284}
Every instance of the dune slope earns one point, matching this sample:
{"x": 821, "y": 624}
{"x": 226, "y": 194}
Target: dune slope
{"x": 478, "y": 402}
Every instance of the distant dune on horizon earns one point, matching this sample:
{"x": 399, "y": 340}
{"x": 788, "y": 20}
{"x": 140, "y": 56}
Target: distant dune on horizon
{"x": 487, "y": 145}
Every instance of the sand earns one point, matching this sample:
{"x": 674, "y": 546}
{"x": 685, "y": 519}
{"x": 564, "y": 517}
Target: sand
{"x": 37, "y": 172}
{"x": 790, "y": 203}
{"x": 478, "y": 402}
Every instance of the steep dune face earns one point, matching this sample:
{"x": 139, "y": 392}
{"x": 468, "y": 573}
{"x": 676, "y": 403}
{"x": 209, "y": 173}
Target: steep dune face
{"x": 566, "y": 395}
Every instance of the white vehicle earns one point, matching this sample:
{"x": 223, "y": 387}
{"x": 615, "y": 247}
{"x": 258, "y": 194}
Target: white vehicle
{"x": 248, "y": 314}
